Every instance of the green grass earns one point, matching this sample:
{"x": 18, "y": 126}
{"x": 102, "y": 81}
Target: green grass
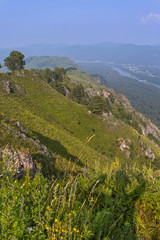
{"x": 113, "y": 204}
{"x": 63, "y": 125}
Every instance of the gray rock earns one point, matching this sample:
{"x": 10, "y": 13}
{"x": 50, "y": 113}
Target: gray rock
{"x": 18, "y": 162}
{"x": 20, "y": 89}
{"x": 149, "y": 153}
{"x": 7, "y": 87}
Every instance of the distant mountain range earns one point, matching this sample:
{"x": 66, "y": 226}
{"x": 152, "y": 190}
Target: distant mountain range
{"x": 110, "y": 52}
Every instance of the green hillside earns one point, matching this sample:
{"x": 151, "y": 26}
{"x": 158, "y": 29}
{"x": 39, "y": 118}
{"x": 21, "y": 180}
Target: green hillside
{"x": 94, "y": 160}
{"x": 43, "y": 62}
{"x": 63, "y": 125}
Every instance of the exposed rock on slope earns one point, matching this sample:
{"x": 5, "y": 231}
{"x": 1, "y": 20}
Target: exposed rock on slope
{"x": 11, "y": 87}
{"x": 18, "y": 130}
{"x": 17, "y": 162}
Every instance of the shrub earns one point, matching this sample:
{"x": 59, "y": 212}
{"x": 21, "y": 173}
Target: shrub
{"x": 98, "y": 105}
{"x": 79, "y": 95}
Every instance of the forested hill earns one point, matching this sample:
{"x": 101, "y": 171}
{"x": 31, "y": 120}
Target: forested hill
{"x": 51, "y": 62}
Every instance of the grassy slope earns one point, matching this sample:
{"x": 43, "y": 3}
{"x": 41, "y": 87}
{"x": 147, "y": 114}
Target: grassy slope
{"x": 63, "y": 125}
{"x": 83, "y": 78}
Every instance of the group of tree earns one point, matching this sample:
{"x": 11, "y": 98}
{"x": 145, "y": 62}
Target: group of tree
{"x": 55, "y": 78}
{"x": 79, "y": 95}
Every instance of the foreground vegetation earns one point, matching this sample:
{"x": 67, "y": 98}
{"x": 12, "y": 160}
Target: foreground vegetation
{"x": 113, "y": 204}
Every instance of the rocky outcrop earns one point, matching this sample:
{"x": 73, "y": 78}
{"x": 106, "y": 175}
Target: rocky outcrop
{"x": 18, "y": 130}
{"x": 150, "y": 154}
{"x": 147, "y": 151}
{"x": 148, "y": 128}
{"x": 124, "y": 147}
{"x": 20, "y": 73}
{"x": 12, "y": 87}
{"x": 17, "y": 162}
{"x": 125, "y": 101}
{"x": 7, "y": 87}
{"x": 106, "y": 94}
{"x": 20, "y": 89}
{"x": 22, "y": 136}
{"x": 93, "y": 92}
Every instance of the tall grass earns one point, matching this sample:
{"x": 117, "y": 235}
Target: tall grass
{"x": 115, "y": 204}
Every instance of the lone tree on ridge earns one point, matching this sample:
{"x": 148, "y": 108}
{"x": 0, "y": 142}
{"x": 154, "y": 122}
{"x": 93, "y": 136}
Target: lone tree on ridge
{"x": 15, "y": 61}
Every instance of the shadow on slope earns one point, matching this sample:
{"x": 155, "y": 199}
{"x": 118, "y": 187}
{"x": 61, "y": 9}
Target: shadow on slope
{"x": 55, "y": 148}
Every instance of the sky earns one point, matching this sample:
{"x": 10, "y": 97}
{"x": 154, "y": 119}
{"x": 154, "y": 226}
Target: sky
{"x": 25, "y": 22}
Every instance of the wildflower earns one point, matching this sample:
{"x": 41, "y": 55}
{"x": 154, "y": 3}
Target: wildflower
{"x": 56, "y": 220}
{"x": 75, "y": 230}
{"x": 30, "y": 229}
{"x": 47, "y": 227}
{"x": 47, "y": 207}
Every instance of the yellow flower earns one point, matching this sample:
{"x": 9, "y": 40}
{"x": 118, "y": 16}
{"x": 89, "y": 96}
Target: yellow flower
{"x": 74, "y": 229}
{"x": 69, "y": 214}
{"x": 56, "y": 220}
{"x": 47, "y": 207}
{"x": 48, "y": 228}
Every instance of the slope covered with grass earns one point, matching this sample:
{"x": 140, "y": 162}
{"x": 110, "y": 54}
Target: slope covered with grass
{"x": 63, "y": 125}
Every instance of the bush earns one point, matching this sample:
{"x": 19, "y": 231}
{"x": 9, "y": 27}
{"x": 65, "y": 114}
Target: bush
{"x": 79, "y": 95}
{"x": 98, "y": 105}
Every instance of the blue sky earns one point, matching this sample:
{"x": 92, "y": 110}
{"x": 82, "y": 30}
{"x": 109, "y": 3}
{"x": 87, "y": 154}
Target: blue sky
{"x": 24, "y": 22}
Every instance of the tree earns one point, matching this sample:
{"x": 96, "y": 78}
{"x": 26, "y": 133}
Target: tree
{"x": 15, "y": 61}
{"x": 59, "y": 74}
{"x": 79, "y": 95}
{"x": 98, "y": 105}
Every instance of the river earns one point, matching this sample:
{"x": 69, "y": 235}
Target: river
{"x": 121, "y": 72}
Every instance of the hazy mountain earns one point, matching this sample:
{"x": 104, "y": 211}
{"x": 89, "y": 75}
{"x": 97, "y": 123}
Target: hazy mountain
{"x": 112, "y": 52}
{"x": 49, "y": 62}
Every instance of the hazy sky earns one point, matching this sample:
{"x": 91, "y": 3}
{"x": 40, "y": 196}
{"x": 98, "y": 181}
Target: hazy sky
{"x": 24, "y": 22}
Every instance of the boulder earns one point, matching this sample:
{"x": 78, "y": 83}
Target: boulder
{"x": 17, "y": 162}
